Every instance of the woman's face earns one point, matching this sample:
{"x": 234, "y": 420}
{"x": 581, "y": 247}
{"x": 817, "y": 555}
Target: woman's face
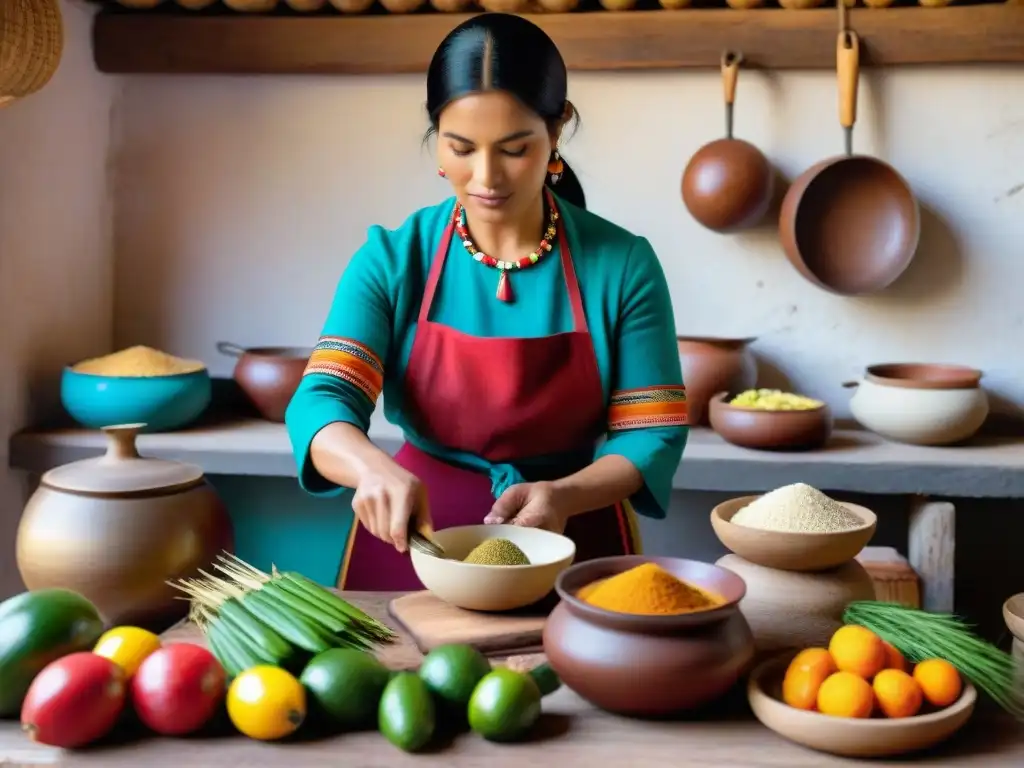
{"x": 495, "y": 153}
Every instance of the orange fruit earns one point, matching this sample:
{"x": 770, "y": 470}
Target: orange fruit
{"x": 893, "y": 658}
{"x": 845, "y": 694}
{"x": 858, "y": 650}
{"x": 804, "y": 676}
{"x": 939, "y": 681}
{"x": 897, "y": 693}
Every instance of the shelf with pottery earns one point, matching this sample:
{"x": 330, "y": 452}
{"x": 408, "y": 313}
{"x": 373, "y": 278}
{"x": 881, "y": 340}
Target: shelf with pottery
{"x": 855, "y": 460}
{"x": 126, "y": 42}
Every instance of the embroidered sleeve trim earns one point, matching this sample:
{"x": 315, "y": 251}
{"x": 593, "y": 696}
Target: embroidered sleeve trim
{"x": 663, "y": 406}
{"x": 348, "y": 360}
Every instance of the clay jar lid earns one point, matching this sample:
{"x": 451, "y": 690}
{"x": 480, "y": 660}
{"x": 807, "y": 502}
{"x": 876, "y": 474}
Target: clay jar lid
{"x": 121, "y": 470}
{"x": 924, "y": 376}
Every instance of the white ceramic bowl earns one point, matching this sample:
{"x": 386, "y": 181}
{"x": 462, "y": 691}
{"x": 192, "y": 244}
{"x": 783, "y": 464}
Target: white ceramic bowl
{"x": 493, "y": 587}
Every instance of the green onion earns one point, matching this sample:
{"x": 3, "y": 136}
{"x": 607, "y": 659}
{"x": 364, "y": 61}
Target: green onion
{"x": 921, "y": 635}
{"x": 276, "y": 618}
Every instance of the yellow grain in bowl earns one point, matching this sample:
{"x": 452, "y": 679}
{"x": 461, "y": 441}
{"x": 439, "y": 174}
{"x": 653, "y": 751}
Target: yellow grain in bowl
{"x": 138, "y": 362}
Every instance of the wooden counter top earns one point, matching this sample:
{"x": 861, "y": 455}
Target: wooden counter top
{"x": 573, "y": 735}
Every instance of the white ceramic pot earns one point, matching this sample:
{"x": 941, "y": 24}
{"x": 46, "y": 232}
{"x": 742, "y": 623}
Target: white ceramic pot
{"x": 920, "y": 404}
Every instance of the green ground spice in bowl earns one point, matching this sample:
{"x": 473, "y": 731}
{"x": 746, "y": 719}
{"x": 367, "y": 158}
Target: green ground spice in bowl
{"x": 496, "y": 552}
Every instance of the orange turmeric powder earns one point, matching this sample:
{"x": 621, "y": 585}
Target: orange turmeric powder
{"x": 647, "y": 589}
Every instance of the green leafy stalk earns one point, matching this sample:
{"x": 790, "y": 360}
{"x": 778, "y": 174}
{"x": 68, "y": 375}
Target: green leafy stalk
{"x": 921, "y": 635}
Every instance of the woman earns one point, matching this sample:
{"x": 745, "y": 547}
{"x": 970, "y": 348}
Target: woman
{"x": 508, "y": 329}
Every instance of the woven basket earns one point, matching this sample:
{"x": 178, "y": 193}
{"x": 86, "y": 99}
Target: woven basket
{"x": 31, "y": 44}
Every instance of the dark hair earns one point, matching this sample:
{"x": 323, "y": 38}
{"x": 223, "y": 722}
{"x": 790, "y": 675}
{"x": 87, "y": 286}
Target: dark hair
{"x": 503, "y": 52}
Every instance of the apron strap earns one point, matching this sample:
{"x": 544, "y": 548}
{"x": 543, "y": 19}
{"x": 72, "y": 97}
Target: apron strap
{"x": 572, "y": 285}
{"x": 436, "y": 268}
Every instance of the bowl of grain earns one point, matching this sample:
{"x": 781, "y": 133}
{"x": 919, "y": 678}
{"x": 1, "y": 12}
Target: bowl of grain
{"x": 770, "y": 420}
{"x": 137, "y": 385}
{"x": 793, "y": 528}
{"x": 493, "y": 567}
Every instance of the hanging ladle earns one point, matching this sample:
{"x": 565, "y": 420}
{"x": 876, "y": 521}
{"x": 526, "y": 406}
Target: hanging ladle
{"x": 728, "y": 184}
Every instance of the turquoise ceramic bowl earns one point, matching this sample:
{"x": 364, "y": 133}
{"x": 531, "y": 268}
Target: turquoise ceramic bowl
{"x": 162, "y": 403}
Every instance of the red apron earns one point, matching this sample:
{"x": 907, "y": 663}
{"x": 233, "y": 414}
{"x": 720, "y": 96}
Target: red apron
{"x": 504, "y": 399}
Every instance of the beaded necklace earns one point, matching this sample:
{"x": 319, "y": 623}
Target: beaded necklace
{"x": 504, "y": 292}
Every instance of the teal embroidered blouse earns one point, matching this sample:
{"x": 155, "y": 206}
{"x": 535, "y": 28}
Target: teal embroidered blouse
{"x": 368, "y": 335}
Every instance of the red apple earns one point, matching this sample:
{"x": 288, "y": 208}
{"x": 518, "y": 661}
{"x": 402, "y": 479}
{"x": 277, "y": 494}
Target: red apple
{"x": 178, "y": 689}
{"x": 74, "y": 701}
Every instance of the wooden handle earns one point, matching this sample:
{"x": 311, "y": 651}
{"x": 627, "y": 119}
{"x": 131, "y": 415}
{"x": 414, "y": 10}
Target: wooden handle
{"x": 730, "y": 74}
{"x": 848, "y": 71}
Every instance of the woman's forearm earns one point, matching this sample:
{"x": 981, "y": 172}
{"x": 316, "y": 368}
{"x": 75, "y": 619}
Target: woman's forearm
{"x": 343, "y": 454}
{"x": 607, "y": 481}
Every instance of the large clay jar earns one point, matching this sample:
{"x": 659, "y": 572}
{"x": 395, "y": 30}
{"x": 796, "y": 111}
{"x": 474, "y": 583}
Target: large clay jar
{"x": 118, "y": 527}
{"x": 788, "y": 609}
{"x": 711, "y": 366}
{"x": 648, "y": 665}
{"x": 268, "y": 376}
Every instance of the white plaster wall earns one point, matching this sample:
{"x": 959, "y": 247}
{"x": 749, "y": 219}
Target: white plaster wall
{"x": 242, "y": 199}
{"x": 56, "y": 260}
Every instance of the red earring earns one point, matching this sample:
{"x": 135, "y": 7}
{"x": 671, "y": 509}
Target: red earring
{"x": 441, "y": 173}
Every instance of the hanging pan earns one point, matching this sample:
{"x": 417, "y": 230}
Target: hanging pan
{"x": 850, "y": 224}
{"x": 728, "y": 184}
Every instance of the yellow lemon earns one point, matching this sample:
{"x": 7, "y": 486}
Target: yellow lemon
{"x": 127, "y": 647}
{"x": 266, "y": 703}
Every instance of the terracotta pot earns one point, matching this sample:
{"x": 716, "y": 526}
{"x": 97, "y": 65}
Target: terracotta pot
{"x": 118, "y": 527}
{"x": 919, "y": 403}
{"x": 648, "y": 665}
{"x": 268, "y": 376}
{"x": 714, "y": 365}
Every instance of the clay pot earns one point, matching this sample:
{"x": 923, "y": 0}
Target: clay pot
{"x": 118, "y": 527}
{"x": 789, "y": 609}
{"x": 714, "y": 365}
{"x": 268, "y": 376}
{"x": 920, "y": 404}
{"x": 765, "y": 430}
{"x": 648, "y": 665}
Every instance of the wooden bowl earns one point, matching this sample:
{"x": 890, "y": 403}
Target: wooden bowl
{"x": 791, "y": 551}
{"x": 493, "y": 587}
{"x": 769, "y": 430}
{"x": 851, "y": 737}
{"x": 649, "y": 666}
{"x": 1013, "y": 615}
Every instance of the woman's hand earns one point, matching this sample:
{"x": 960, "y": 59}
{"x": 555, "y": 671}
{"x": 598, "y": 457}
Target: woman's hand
{"x": 387, "y": 498}
{"x": 534, "y": 505}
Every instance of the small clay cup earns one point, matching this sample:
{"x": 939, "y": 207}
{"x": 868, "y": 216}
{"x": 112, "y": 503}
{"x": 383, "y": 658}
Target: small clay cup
{"x": 770, "y": 430}
{"x": 649, "y": 666}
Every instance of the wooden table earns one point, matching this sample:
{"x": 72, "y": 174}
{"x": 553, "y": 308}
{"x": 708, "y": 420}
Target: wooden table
{"x": 572, "y": 735}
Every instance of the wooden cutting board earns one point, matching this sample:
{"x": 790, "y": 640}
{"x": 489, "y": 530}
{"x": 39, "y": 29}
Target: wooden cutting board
{"x": 432, "y": 622}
